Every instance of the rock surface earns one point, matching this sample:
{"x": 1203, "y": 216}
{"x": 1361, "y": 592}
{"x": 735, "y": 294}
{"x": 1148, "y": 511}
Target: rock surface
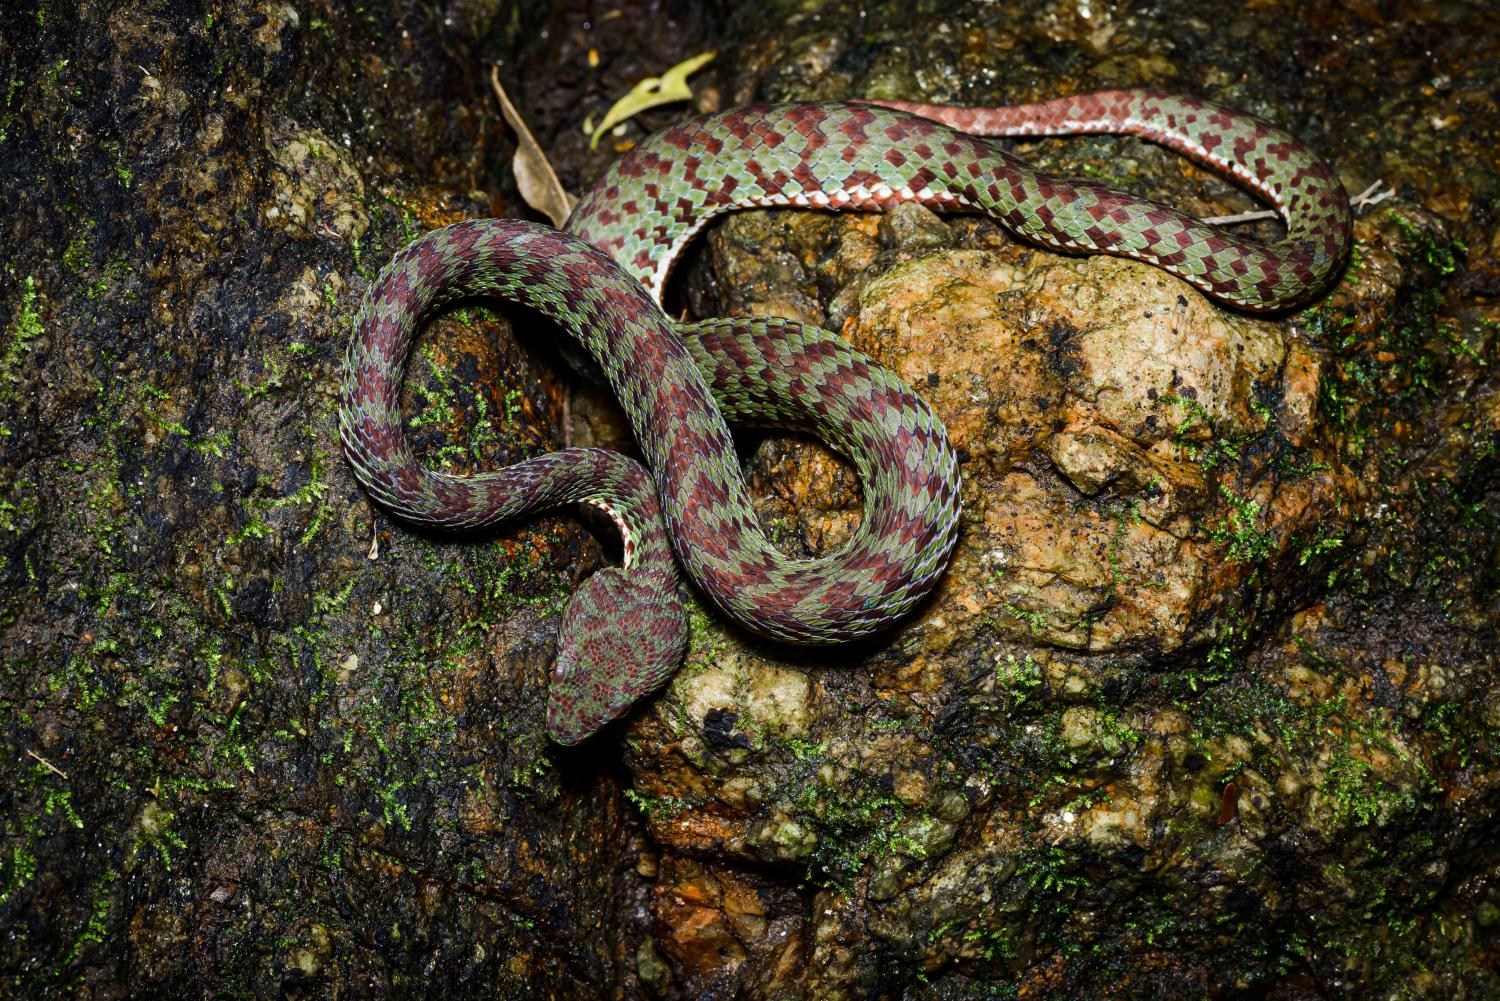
{"x": 1205, "y": 706}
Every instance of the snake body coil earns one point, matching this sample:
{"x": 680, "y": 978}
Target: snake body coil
{"x": 624, "y": 631}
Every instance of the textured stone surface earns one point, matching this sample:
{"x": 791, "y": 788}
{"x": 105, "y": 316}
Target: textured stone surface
{"x": 1158, "y": 734}
{"x": 257, "y": 740}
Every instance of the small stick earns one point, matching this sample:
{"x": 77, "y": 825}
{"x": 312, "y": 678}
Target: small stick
{"x": 1254, "y": 215}
{"x": 49, "y": 765}
{"x": 1363, "y": 200}
{"x": 1368, "y": 197}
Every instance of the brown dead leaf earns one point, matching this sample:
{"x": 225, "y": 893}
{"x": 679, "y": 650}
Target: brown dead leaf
{"x": 535, "y": 177}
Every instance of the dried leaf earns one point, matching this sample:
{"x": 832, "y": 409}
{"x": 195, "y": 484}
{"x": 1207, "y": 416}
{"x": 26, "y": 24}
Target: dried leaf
{"x": 670, "y": 86}
{"x": 534, "y": 174}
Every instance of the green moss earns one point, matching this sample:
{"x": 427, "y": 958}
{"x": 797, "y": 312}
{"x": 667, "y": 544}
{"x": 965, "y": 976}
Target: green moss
{"x": 1240, "y": 530}
{"x": 26, "y": 829}
{"x": 1319, "y": 546}
{"x": 25, "y": 328}
{"x": 122, "y": 173}
{"x": 275, "y": 371}
{"x": 853, "y": 824}
{"x": 1441, "y": 257}
{"x": 221, "y": 589}
{"x": 96, "y": 927}
{"x": 19, "y": 502}
{"x": 1462, "y": 345}
{"x": 1034, "y": 619}
{"x": 512, "y": 404}
{"x": 441, "y": 407}
{"x": 1333, "y": 730}
{"x": 1047, "y": 873}
{"x": 321, "y": 514}
{"x": 1351, "y": 784}
{"x": 995, "y": 947}
{"x": 1021, "y": 679}
{"x": 253, "y": 529}
{"x": 657, "y": 807}
{"x": 836, "y": 824}
{"x": 394, "y": 224}
{"x": 51, "y": 74}
{"x": 1376, "y": 379}
{"x": 75, "y": 258}
{"x": 155, "y": 832}
{"x": 16, "y": 871}
{"x": 1125, "y": 516}
{"x": 330, "y": 294}
{"x": 214, "y": 443}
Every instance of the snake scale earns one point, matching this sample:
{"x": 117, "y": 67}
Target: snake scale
{"x": 624, "y": 631}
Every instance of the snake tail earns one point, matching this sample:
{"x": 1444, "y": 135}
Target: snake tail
{"x": 864, "y": 156}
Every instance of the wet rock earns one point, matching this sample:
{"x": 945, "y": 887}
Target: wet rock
{"x": 314, "y": 185}
{"x": 1164, "y": 764}
{"x": 280, "y": 744}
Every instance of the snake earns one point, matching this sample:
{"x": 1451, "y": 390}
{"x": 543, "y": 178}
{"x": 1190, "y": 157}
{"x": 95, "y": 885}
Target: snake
{"x": 684, "y": 512}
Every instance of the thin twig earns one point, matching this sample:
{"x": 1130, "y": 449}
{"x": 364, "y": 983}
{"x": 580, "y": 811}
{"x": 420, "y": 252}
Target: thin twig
{"x": 1255, "y": 215}
{"x": 1368, "y": 197}
{"x": 1363, "y": 200}
{"x": 49, "y": 765}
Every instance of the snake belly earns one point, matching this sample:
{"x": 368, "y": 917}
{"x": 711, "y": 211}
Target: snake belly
{"x": 624, "y": 631}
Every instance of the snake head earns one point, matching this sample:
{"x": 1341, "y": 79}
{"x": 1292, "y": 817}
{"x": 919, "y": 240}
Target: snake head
{"x": 623, "y": 635}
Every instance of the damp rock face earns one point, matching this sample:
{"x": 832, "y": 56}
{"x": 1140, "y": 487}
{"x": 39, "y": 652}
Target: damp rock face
{"x": 256, "y": 738}
{"x": 1177, "y": 720}
{"x": 1205, "y": 706}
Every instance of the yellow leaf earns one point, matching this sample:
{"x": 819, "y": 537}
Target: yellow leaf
{"x": 670, "y": 86}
